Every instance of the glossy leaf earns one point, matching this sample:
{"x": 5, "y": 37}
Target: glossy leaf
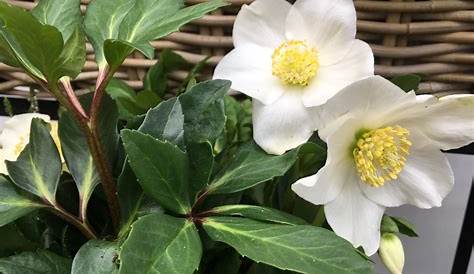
{"x": 65, "y": 15}
{"x": 38, "y": 167}
{"x": 201, "y": 163}
{"x": 405, "y": 227}
{"x": 39, "y": 262}
{"x": 258, "y": 213}
{"x": 388, "y": 225}
{"x": 96, "y": 257}
{"x": 133, "y": 201}
{"x": 408, "y": 82}
{"x": 73, "y": 57}
{"x": 249, "y": 167}
{"x": 122, "y": 26}
{"x": 161, "y": 168}
{"x": 130, "y": 103}
{"x": 26, "y": 39}
{"x": 203, "y": 108}
{"x": 303, "y": 249}
{"x": 13, "y": 205}
{"x": 102, "y": 22}
{"x": 157, "y": 76}
{"x": 161, "y": 244}
{"x": 78, "y": 158}
{"x": 166, "y": 122}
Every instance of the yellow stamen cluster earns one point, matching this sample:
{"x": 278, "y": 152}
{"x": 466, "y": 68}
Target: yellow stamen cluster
{"x": 295, "y": 63}
{"x": 381, "y": 154}
{"x": 20, "y": 146}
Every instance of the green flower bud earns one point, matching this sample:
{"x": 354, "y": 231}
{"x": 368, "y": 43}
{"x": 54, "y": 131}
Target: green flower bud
{"x": 391, "y": 252}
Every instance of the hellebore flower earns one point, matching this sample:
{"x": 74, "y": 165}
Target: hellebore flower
{"x": 290, "y": 58}
{"x": 384, "y": 151}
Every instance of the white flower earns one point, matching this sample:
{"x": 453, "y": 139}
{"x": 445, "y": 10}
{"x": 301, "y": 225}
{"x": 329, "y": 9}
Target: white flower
{"x": 384, "y": 151}
{"x": 289, "y": 58}
{"x": 16, "y": 135}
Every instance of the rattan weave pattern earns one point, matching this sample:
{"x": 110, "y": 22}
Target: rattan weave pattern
{"x": 432, "y": 38}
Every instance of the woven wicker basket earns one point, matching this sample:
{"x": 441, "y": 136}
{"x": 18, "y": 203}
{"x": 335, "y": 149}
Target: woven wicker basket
{"x": 433, "y": 38}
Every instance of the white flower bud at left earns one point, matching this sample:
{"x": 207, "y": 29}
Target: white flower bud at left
{"x": 16, "y": 135}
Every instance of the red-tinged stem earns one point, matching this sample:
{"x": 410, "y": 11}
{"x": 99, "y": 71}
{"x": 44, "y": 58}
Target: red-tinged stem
{"x": 201, "y": 198}
{"x": 91, "y": 130}
{"x": 73, "y": 100}
{"x": 97, "y": 148}
{"x": 82, "y": 226}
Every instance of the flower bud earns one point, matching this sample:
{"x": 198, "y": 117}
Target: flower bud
{"x": 391, "y": 252}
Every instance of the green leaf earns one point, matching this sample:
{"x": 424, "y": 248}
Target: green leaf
{"x": 190, "y": 79}
{"x": 121, "y": 26}
{"x": 407, "y": 82}
{"x": 102, "y": 22}
{"x": 133, "y": 201}
{"x": 258, "y": 213}
{"x": 157, "y": 76}
{"x": 108, "y": 120}
{"x": 203, "y": 108}
{"x": 73, "y": 57}
{"x": 304, "y": 249}
{"x": 405, "y": 227}
{"x": 388, "y": 225}
{"x": 238, "y": 128}
{"x": 38, "y": 167}
{"x": 130, "y": 103}
{"x": 39, "y": 262}
{"x": 161, "y": 244}
{"x": 201, "y": 163}
{"x": 78, "y": 158}
{"x": 13, "y": 205}
{"x": 65, "y": 15}
{"x": 161, "y": 168}
{"x": 249, "y": 167}
{"x": 96, "y": 257}
{"x": 26, "y": 39}
{"x": 165, "y": 122}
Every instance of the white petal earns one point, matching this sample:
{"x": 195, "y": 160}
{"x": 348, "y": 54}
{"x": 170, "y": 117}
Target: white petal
{"x": 330, "y": 25}
{"x": 283, "y": 125}
{"x": 3, "y": 166}
{"x": 356, "y": 218}
{"x": 324, "y": 186}
{"x": 424, "y": 182}
{"x": 449, "y": 122}
{"x": 250, "y": 70}
{"x": 369, "y": 98}
{"x": 16, "y": 128}
{"x": 261, "y": 23}
{"x": 357, "y": 64}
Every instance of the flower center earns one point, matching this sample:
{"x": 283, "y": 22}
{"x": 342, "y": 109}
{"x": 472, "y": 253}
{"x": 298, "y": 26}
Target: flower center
{"x": 20, "y": 146}
{"x": 380, "y": 154}
{"x": 295, "y": 63}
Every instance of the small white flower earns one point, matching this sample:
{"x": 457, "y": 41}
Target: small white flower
{"x": 384, "y": 151}
{"x": 289, "y": 58}
{"x": 16, "y": 135}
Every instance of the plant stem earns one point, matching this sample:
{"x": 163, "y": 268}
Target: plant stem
{"x": 91, "y": 131}
{"x": 201, "y": 198}
{"x": 98, "y": 153}
{"x": 71, "y": 96}
{"x": 82, "y": 226}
